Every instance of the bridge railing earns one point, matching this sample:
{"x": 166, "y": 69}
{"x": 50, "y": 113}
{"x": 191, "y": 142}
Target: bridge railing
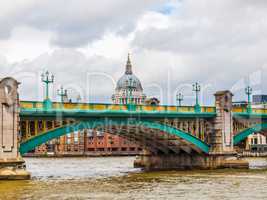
{"x": 244, "y": 110}
{"x": 38, "y": 105}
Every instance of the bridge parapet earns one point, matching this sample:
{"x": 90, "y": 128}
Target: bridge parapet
{"x": 112, "y": 107}
{"x": 253, "y": 110}
{"x": 40, "y": 106}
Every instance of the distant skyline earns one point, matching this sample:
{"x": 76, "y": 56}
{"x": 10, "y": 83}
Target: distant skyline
{"x": 173, "y": 43}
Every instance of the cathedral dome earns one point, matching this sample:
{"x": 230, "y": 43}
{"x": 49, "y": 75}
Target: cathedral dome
{"x": 129, "y": 80}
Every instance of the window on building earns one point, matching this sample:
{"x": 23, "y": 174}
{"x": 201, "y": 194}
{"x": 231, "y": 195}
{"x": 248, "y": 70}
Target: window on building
{"x": 90, "y": 133}
{"x": 100, "y": 133}
{"x": 100, "y": 137}
{"x": 69, "y": 138}
{"x": 91, "y": 149}
{"x": 255, "y": 140}
{"x": 76, "y": 137}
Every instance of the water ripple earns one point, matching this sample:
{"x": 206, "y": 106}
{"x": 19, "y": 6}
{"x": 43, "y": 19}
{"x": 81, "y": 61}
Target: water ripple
{"x": 115, "y": 178}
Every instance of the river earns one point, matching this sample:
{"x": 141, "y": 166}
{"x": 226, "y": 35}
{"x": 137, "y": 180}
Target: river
{"x": 115, "y": 178}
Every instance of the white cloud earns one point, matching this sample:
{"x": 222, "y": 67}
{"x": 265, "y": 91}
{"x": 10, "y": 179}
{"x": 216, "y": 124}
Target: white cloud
{"x": 93, "y": 76}
{"x": 75, "y": 22}
{"x": 221, "y": 44}
{"x": 25, "y": 43}
{"x": 218, "y": 42}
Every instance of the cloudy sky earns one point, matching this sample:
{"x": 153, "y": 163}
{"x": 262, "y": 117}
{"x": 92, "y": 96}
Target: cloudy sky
{"x": 222, "y": 44}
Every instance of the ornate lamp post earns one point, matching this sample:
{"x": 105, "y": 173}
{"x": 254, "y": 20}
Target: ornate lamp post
{"x": 62, "y": 93}
{"x": 179, "y": 99}
{"x": 196, "y": 89}
{"x": 47, "y": 79}
{"x": 248, "y": 91}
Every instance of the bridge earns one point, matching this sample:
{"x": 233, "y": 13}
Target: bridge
{"x": 173, "y": 137}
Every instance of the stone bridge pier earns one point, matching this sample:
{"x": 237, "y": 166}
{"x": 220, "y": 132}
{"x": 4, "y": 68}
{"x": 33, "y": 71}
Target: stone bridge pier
{"x": 221, "y": 153}
{"x": 12, "y": 166}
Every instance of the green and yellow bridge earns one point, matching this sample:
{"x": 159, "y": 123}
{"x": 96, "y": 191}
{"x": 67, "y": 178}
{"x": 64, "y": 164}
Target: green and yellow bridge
{"x": 162, "y": 130}
{"x": 172, "y": 136}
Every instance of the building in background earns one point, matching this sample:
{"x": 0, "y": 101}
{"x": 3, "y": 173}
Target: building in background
{"x": 257, "y": 142}
{"x": 129, "y": 88}
{"x": 88, "y": 143}
{"x": 259, "y": 101}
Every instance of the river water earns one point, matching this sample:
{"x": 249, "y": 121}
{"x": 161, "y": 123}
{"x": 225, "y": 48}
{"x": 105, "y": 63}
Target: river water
{"x": 115, "y": 178}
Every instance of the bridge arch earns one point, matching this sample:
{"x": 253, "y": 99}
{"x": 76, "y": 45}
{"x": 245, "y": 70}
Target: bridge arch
{"x": 119, "y": 126}
{"x": 245, "y": 133}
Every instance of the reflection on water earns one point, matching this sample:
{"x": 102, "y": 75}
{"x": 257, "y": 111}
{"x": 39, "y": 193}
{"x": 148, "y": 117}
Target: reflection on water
{"x": 115, "y": 178}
